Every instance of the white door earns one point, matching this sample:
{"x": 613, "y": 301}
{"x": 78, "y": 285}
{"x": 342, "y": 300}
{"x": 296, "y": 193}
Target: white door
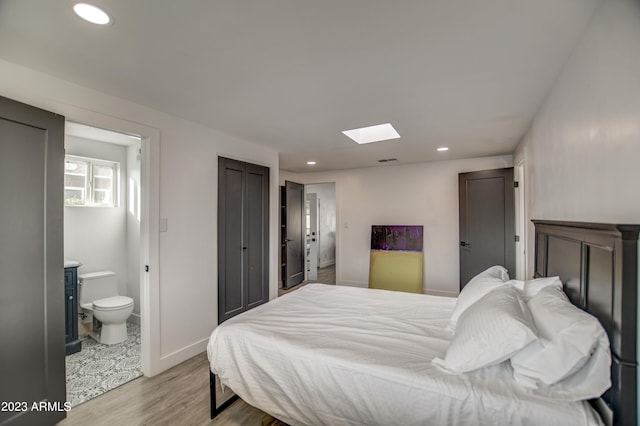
{"x": 312, "y": 252}
{"x": 521, "y": 227}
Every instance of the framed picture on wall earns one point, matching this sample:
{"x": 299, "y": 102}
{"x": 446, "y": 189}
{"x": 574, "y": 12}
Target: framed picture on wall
{"x": 396, "y": 237}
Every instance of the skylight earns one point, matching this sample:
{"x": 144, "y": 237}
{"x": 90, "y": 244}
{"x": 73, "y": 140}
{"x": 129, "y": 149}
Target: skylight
{"x": 92, "y": 13}
{"x": 378, "y": 133}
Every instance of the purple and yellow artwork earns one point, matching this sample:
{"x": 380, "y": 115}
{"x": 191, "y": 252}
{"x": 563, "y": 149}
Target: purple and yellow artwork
{"x": 396, "y": 237}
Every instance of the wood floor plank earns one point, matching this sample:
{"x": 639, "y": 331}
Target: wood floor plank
{"x": 178, "y": 396}
{"x": 326, "y": 275}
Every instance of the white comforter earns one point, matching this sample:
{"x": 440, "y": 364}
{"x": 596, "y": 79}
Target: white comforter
{"x": 333, "y": 355}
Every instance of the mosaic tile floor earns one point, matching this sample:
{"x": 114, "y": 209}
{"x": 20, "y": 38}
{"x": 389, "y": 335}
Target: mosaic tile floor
{"x": 99, "y": 368}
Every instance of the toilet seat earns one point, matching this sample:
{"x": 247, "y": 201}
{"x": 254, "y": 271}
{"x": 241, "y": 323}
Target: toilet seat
{"x": 112, "y": 303}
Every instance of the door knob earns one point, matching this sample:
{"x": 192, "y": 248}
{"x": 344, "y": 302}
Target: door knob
{"x": 465, "y": 244}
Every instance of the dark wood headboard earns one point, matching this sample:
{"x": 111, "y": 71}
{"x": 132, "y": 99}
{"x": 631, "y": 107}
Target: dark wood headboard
{"x": 598, "y": 264}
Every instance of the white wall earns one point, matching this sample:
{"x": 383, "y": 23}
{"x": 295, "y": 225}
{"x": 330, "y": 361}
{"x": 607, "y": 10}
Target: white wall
{"x": 132, "y": 203}
{"x": 581, "y": 153}
{"x": 326, "y": 193}
{"x": 184, "y": 298}
{"x": 416, "y": 194}
{"x": 107, "y": 238}
{"x": 96, "y": 236}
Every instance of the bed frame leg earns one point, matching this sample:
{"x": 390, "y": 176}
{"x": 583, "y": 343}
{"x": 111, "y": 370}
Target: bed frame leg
{"x": 212, "y": 395}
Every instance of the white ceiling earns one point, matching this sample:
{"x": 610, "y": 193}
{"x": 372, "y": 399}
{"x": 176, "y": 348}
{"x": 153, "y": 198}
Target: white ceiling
{"x": 293, "y": 74}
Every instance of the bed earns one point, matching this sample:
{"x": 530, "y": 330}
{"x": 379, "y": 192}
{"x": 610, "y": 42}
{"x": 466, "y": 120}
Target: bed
{"x": 341, "y": 355}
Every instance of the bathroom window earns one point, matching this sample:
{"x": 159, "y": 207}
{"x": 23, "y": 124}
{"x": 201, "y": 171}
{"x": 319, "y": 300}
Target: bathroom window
{"x": 90, "y": 182}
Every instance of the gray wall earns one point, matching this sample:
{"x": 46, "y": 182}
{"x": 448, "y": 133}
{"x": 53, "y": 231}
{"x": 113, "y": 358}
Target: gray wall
{"x": 132, "y": 201}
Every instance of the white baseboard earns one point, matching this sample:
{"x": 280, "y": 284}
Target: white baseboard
{"x": 134, "y": 319}
{"x": 181, "y": 355}
{"x": 424, "y": 290}
{"x": 439, "y": 292}
{"x": 353, "y": 284}
{"x": 327, "y": 263}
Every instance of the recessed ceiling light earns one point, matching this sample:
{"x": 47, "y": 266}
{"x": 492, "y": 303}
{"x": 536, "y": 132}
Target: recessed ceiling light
{"x": 443, "y": 148}
{"x": 311, "y": 163}
{"x": 92, "y": 13}
{"x": 378, "y": 133}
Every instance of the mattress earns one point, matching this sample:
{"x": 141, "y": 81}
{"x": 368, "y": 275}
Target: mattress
{"x": 338, "y": 355}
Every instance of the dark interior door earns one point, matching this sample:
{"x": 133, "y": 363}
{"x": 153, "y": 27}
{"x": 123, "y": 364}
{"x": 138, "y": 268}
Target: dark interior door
{"x": 243, "y": 237}
{"x": 294, "y": 269}
{"x": 257, "y": 235}
{"x": 231, "y": 184}
{"x": 32, "y": 365}
{"x": 487, "y": 222}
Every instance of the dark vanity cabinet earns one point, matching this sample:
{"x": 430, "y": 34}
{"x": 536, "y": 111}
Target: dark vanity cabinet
{"x": 72, "y": 343}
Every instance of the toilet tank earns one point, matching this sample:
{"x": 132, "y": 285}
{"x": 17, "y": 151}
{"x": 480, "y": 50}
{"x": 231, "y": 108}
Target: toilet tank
{"x": 97, "y": 285}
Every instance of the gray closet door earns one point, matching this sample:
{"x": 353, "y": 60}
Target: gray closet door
{"x": 487, "y": 222}
{"x": 243, "y": 237}
{"x": 32, "y": 365}
{"x": 257, "y": 235}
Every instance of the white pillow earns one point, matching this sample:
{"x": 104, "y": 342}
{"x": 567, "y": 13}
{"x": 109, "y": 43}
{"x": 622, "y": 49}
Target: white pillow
{"x": 589, "y": 382}
{"x": 567, "y": 339}
{"x": 519, "y": 284}
{"x": 532, "y": 287}
{"x": 477, "y": 287}
{"x": 489, "y": 332}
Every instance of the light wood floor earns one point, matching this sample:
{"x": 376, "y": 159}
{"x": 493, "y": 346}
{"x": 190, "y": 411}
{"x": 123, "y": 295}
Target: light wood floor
{"x": 179, "y": 396}
{"x": 326, "y": 275}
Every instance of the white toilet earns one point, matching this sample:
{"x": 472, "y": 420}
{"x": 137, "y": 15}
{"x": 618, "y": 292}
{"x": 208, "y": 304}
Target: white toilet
{"x": 99, "y": 296}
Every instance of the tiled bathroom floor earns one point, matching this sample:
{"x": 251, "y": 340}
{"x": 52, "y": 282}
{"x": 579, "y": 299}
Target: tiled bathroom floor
{"x": 99, "y": 368}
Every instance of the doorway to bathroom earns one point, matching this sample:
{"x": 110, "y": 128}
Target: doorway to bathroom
{"x": 320, "y": 231}
{"x": 317, "y": 226}
{"x": 102, "y": 247}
